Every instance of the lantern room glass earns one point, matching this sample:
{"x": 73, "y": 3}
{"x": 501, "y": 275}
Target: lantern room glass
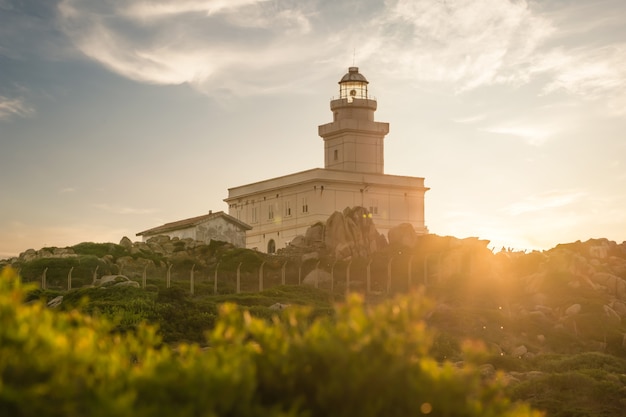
{"x": 352, "y": 90}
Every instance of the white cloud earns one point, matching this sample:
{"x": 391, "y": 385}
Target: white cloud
{"x": 545, "y": 201}
{"x": 167, "y": 8}
{"x": 533, "y": 135}
{"x": 12, "y": 107}
{"x": 466, "y": 42}
{"x": 257, "y": 46}
{"x": 593, "y": 73}
{"x": 212, "y": 45}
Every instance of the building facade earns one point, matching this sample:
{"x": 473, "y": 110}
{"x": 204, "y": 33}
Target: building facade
{"x": 282, "y": 208}
{"x": 213, "y": 226}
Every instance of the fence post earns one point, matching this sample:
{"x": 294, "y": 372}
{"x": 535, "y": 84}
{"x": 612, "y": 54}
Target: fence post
{"x": 369, "y": 276}
{"x": 43, "y": 279}
{"x": 300, "y": 273}
{"x": 191, "y": 280}
{"x": 168, "y": 276}
{"x": 410, "y": 283}
{"x": 389, "y": 275}
{"x": 261, "y": 277}
{"x": 282, "y": 278}
{"x": 69, "y": 279}
{"x": 144, "y": 277}
{"x": 215, "y": 279}
{"x": 348, "y": 277}
{"x": 332, "y": 277}
{"x": 239, "y": 277}
{"x": 317, "y": 273}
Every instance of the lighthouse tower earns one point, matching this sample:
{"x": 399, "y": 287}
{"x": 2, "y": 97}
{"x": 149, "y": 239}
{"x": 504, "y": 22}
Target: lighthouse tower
{"x": 353, "y": 141}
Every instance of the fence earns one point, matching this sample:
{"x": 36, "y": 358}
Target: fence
{"x": 377, "y": 274}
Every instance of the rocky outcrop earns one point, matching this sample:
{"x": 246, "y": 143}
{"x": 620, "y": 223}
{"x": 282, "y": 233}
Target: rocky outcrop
{"x": 344, "y": 235}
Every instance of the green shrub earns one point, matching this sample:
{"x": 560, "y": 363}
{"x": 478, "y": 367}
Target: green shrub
{"x": 362, "y": 362}
{"x": 100, "y": 249}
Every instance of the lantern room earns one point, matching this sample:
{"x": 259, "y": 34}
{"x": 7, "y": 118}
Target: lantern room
{"x": 353, "y": 85}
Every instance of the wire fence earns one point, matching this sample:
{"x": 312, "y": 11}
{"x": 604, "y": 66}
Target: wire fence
{"x": 377, "y": 274}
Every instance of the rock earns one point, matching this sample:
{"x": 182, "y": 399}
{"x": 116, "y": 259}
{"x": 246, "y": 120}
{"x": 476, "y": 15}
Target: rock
{"x": 487, "y": 370}
{"x": 519, "y": 351}
{"x": 613, "y": 284}
{"x": 314, "y": 236}
{"x": 316, "y": 275}
{"x": 351, "y": 234}
{"x": 126, "y": 243}
{"x": 620, "y": 308}
{"x": 110, "y": 280}
{"x": 402, "y": 235}
{"x": 133, "y": 284}
{"x": 278, "y": 306}
{"x": 55, "y": 302}
{"x": 573, "y": 310}
{"x": 63, "y": 252}
{"x": 28, "y": 255}
{"x": 612, "y": 315}
{"x": 308, "y": 256}
{"x": 298, "y": 242}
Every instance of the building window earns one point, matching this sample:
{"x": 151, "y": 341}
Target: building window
{"x": 336, "y": 153}
{"x": 271, "y": 246}
{"x": 305, "y": 206}
{"x": 374, "y": 207}
{"x": 254, "y": 217}
{"x": 270, "y": 211}
{"x": 287, "y": 209}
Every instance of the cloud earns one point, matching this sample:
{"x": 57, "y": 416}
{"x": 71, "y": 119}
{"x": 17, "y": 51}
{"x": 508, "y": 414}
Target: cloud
{"x": 123, "y": 210}
{"x": 545, "y": 201}
{"x": 14, "y": 107}
{"x": 67, "y": 190}
{"x": 593, "y": 73}
{"x": 260, "y": 46}
{"x": 465, "y": 42}
{"x": 533, "y": 135}
{"x": 166, "y": 8}
{"x": 212, "y": 45}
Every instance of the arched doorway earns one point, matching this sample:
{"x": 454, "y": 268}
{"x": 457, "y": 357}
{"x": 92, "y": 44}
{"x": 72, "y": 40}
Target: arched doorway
{"x": 271, "y": 246}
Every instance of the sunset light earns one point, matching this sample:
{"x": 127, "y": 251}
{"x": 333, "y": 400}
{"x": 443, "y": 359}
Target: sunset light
{"x": 116, "y": 117}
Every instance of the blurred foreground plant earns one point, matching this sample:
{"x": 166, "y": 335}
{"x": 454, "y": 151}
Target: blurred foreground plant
{"x": 361, "y": 362}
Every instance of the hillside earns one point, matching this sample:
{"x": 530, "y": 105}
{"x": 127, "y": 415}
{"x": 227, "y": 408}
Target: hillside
{"x": 552, "y": 320}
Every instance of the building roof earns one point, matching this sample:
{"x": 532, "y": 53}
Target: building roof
{"x": 326, "y": 175}
{"x": 193, "y": 221}
{"x": 354, "y": 75}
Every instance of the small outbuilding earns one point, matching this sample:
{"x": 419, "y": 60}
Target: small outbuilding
{"x": 213, "y": 226}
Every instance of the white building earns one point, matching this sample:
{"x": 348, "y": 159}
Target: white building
{"x": 281, "y": 208}
{"x": 212, "y": 226}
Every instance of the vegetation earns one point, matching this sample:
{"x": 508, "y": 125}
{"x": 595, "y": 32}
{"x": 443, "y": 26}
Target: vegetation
{"x": 366, "y": 361}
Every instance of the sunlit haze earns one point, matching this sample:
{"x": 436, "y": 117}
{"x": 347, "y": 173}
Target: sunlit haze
{"x": 119, "y": 116}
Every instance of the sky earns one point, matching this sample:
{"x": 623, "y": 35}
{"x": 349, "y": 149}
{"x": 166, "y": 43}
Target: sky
{"x": 117, "y": 116}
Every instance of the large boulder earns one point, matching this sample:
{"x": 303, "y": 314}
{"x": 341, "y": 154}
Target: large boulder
{"x": 314, "y": 236}
{"x": 352, "y": 234}
{"x": 402, "y": 235}
{"x": 316, "y": 276}
{"x": 107, "y": 281}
